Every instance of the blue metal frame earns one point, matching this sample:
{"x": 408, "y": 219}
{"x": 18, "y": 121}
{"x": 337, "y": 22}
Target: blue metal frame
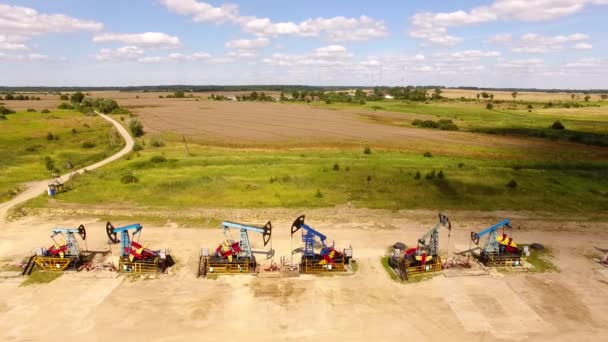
{"x": 493, "y": 246}
{"x": 125, "y": 240}
{"x": 70, "y": 239}
{"x": 244, "y": 241}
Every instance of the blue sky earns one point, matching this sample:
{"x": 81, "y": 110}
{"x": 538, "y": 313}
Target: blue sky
{"x": 491, "y": 43}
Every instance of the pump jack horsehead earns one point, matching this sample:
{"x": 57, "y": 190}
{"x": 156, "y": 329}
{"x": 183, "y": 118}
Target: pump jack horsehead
{"x": 135, "y": 257}
{"x": 65, "y": 252}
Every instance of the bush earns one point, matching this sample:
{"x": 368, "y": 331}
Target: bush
{"x": 367, "y": 150}
{"x": 65, "y": 105}
{"x": 77, "y": 97}
{"x": 319, "y": 194}
{"x": 460, "y": 165}
{"x": 158, "y": 159}
{"x": 50, "y": 136}
{"x": 430, "y": 175}
{"x": 557, "y": 125}
{"x": 31, "y": 110}
{"x": 490, "y": 106}
{"x": 447, "y": 125}
{"x": 49, "y": 163}
{"x": 6, "y": 111}
{"x": 64, "y": 97}
{"x": 88, "y": 144}
{"x": 441, "y": 175}
{"x": 512, "y": 184}
{"x": 136, "y": 128}
{"x": 74, "y": 131}
{"x": 336, "y": 167}
{"x": 157, "y": 142}
{"x": 137, "y": 147}
{"x": 417, "y": 175}
{"x": 2, "y": 117}
{"x": 129, "y": 178}
{"x": 428, "y": 154}
{"x": 45, "y": 111}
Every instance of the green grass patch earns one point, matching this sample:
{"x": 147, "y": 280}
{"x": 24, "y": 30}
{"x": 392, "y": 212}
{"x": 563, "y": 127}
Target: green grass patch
{"x": 388, "y": 268}
{"x": 218, "y": 177}
{"x": 541, "y": 260}
{"x": 28, "y": 154}
{"x": 41, "y": 277}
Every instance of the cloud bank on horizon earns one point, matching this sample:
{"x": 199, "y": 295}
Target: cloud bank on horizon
{"x": 491, "y": 43}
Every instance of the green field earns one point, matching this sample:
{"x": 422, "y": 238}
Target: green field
{"x": 216, "y": 177}
{"x": 573, "y": 179}
{"x": 584, "y": 124}
{"x": 25, "y": 142}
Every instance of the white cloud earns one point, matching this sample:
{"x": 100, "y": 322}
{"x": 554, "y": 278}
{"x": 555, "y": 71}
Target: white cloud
{"x": 148, "y": 39}
{"x": 27, "y": 22}
{"x": 175, "y": 57}
{"x": 203, "y": 12}
{"x": 587, "y": 63}
{"x": 332, "y": 51}
{"x": 535, "y": 43}
{"x": 501, "y": 38}
{"x": 335, "y": 29}
{"x": 128, "y": 52}
{"x": 432, "y": 27}
{"x": 332, "y": 55}
{"x": 247, "y": 44}
{"x": 11, "y": 43}
{"x": 583, "y": 46}
{"x": 37, "y": 57}
{"x": 19, "y": 24}
{"x": 522, "y": 63}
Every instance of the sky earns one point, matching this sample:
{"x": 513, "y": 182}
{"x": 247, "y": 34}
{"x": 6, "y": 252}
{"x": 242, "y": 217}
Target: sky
{"x": 482, "y": 43}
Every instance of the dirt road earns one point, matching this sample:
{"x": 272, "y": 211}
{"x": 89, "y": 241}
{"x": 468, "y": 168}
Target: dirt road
{"x": 97, "y": 306}
{"x": 34, "y": 189}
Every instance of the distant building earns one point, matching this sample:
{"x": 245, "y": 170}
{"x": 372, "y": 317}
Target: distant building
{"x": 388, "y": 97}
{"x": 231, "y": 97}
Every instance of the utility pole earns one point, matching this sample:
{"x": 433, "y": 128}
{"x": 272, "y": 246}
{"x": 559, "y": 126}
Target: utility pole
{"x": 186, "y": 144}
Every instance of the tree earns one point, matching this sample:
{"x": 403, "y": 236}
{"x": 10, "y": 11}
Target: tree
{"x": 514, "y": 94}
{"x": 485, "y": 95}
{"x": 9, "y": 97}
{"x": 64, "y": 97}
{"x": 490, "y": 106}
{"x": 572, "y": 96}
{"x": 436, "y": 94}
{"x": 604, "y": 96}
{"x": 491, "y": 96}
{"x": 478, "y": 96}
{"x": 77, "y": 97}
{"x": 179, "y": 94}
{"x": 587, "y": 97}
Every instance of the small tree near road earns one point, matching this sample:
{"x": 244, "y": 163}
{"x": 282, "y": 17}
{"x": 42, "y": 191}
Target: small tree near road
{"x": 136, "y": 128}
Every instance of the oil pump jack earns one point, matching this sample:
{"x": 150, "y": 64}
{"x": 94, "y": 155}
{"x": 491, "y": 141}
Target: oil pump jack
{"x": 498, "y": 250}
{"x": 423, "y": 258}
{"x": 328, "y": 259}
{"x": 235, "y": 256}
{"x": 134, "y": 257}
{"x": 63, "y": 254}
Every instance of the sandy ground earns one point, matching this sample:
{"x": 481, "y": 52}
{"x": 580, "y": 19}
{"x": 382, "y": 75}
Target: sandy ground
{"x": 99, "y": 306}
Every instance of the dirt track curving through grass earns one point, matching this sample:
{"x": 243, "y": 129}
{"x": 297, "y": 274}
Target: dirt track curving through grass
{"x": 34, "y": 189}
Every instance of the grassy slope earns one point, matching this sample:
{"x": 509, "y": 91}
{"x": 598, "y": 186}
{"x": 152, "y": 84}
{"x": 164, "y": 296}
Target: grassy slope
{"x": 471, "y": 115}
{"x": 216, "y": 177}
{"x": 24, "y": 145}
